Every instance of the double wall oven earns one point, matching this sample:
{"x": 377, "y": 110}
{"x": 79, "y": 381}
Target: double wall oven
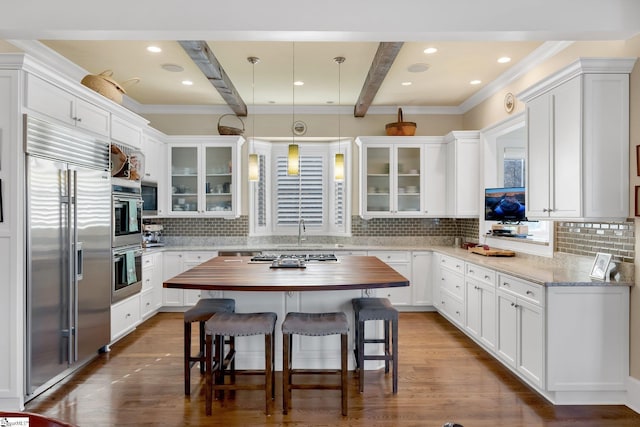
{"x": 126, "y": 238}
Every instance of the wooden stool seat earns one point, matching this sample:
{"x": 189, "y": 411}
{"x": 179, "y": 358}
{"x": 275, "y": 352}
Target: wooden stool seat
{"x": 314, "y": 324}
{"x": 225, "y": 324}
{"x": 376, "y": 309}
{"x": 201, "y": 312}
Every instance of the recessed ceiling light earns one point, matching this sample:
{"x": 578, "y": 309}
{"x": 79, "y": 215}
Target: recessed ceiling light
{"x": 475, "y": 82}
{"x": 187, "y": 82}
{"x": 430, "y": 50}
{"x": 154, "y": 49}
{"x": 406, "y": 83}
{"x": 298, "y": 83}
{"x": 504, "y": 60}
{"x": 418, "y": 68}
{"x": 174, "y": 68}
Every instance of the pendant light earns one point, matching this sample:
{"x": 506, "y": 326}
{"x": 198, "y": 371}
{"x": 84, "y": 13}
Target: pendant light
{"x": 338, "y": 167}
{"x": 293, "y": 157}
{"x": 254, "y": 173}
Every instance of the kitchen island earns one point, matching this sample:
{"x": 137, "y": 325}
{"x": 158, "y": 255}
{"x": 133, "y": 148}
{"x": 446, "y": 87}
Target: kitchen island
{"x": 322, "y": 286}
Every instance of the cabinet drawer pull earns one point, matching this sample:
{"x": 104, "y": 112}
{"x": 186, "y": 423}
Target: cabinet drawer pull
{"x": 487, "y": 277}
{"x": 529, "y": 292}
{"x": 471, "y": 271}
{"x": 506, "y": 284}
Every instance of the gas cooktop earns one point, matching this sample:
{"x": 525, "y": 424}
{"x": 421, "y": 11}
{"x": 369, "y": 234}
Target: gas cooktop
{"x": 300, "y": 257}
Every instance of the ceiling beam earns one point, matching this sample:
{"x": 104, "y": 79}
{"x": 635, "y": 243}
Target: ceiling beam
{"x": 382, "y": 62}
{"x": 204, "y": 58}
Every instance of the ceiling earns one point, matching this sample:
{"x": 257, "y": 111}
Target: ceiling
{"x": 445, "y": 83}
{"x": 470, "y": 36}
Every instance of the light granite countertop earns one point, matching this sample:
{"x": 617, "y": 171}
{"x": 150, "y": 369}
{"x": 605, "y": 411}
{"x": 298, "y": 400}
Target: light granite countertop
{"x": 561, "y": 270}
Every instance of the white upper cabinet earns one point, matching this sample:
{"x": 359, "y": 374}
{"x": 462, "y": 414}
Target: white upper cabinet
{"x": 463, "y": 174}
{"x": 205, "y": 176}
{"x": 127, "y": 132}
{"x": 401, "y": 176}
{"x": 435, "y": 178}
{"x": 55, "y": 103}
{"x": 578, "y": 142}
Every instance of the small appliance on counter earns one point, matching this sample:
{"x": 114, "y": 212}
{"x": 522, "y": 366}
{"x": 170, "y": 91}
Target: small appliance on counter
{"x": 152, "y": 235}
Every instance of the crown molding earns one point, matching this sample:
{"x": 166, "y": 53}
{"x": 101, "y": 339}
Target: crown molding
{"x": 282, "y": 109}
{"x": 580, "y": 66}
{"x": 542, "y": 53}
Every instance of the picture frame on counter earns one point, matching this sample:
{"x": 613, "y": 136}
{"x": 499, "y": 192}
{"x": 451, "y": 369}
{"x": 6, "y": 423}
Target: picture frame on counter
{"x": 600, "y": 266}
{"x": 1, "y": 215}
{"x": 637, "y": 201}
{"x": 638, "y": 160}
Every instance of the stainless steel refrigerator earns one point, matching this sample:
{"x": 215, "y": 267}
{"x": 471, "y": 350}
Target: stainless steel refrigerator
{"x": 68, "y": 205}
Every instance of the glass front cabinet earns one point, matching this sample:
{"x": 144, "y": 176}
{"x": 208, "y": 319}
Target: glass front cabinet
{"x": 391, "y": 180}
{"x": 205, "y": 177}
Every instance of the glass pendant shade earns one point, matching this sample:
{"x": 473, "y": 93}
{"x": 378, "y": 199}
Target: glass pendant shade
{"x": 339, "y": 167}
{"x": 293, "y": 160}
{"x": 254, "y": 174}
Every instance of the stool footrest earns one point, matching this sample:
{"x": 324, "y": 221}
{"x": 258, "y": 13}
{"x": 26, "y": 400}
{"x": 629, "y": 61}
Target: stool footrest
{"x": 316, "y": 386}
{"x": 374, "y": 341}
{"x": 379, "y": 357}
{"x": 314, "y": 371}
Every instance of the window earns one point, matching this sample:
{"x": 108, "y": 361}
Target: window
{"x": 279, "y": 201}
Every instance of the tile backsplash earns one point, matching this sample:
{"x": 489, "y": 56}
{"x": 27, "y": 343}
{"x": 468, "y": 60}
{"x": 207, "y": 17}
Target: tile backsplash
{"x": 376, "y": 227}
{"x": 588, "y": 238}
{"x": 578, "y": 238}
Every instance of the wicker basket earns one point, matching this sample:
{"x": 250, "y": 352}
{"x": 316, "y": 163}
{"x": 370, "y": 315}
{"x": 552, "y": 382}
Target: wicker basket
{"x": 104, "y": 85}
{"x": 401, "y": 128}
{"x": 228, "y": 130}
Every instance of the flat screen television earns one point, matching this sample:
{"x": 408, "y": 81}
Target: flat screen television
{"x": 504, "y": 204}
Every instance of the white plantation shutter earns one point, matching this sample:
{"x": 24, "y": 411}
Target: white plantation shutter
{"x": 301, "y": 196}
{"x": 338, "y": 199}
{"x": 261, "y": 193}
{"x": 278, "y": 201}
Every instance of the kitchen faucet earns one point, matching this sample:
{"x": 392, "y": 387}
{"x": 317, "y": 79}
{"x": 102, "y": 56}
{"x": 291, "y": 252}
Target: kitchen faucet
{"x": 301, "y": 228}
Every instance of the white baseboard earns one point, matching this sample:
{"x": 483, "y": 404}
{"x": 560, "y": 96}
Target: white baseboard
{"x": 633, "y": 394}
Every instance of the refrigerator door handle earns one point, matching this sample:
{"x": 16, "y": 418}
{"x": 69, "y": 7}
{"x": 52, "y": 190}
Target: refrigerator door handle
{"x": 75, "y": 267}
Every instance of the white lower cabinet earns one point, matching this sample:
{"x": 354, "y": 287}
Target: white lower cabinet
{"x": 450, "y": 282}
{"x": 421, "y": 279}
{"x": 520, "y": 342}
{"x": 570, "y": 343}
{"x": 480, "y": 308}
{"x": 174, "y": 263}
{"x": 587, "y": 341}
{"x": 125, "y": 315}
{"x": 151, "y": 295}
{"x": 400, "y": 261}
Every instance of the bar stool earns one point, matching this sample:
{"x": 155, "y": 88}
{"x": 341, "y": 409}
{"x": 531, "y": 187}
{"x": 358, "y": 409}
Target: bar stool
{"x": 314, "y": 324}
{"x": 201, "y": 312}
{"x": 376, "y": 309}
{"x": 225, "y": 324}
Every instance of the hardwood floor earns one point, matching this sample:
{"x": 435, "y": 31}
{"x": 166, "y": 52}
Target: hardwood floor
{"x": 443, "y": 376}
